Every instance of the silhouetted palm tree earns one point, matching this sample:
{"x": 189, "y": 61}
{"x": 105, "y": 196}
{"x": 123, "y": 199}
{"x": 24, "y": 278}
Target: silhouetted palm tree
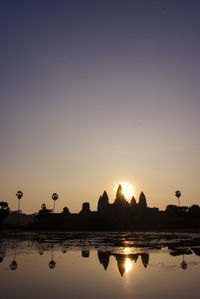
{"x": 19, "y": 195}
{"x": 178, "y": 195}
{"x": 54, "y": 197}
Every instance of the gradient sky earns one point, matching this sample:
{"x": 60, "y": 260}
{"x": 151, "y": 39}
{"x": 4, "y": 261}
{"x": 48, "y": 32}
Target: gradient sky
{"x": 93, "y": 93}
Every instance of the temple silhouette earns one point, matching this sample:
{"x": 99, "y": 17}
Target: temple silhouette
{"x": 119, "y": 215}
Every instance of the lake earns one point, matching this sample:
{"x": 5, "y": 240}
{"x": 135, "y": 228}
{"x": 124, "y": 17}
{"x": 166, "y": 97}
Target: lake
{"x": 99, "y": 265}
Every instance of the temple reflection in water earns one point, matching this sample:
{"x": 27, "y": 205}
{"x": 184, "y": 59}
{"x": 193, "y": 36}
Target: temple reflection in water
{"x": 125, "y": 261}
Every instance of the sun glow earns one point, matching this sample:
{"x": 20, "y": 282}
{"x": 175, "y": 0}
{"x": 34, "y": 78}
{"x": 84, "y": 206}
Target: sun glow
{"x": 127, "y": 190}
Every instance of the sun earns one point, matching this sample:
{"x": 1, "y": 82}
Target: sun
{"x": 127, "y": 190}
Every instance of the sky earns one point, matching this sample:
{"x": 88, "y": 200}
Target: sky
{"x": 94, "y": 93}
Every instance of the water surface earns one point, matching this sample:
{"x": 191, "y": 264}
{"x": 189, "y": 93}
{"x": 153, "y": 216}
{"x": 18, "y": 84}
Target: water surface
{"x": 99, "y": 265}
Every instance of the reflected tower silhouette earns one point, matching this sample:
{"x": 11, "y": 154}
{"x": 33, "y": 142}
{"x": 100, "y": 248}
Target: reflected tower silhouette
{"x": 145, "y": 259}
{"x": 121, "y": 259}
{"x": 196, "y": 251}
{"x": 104, "y": 257}
{"x": 134, "y": 257}
{"x": 85, "y": 253}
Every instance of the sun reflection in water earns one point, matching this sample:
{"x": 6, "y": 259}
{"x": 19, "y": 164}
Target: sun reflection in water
{"x": 128, "y": 265}
{"x": 127, "y": 250}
